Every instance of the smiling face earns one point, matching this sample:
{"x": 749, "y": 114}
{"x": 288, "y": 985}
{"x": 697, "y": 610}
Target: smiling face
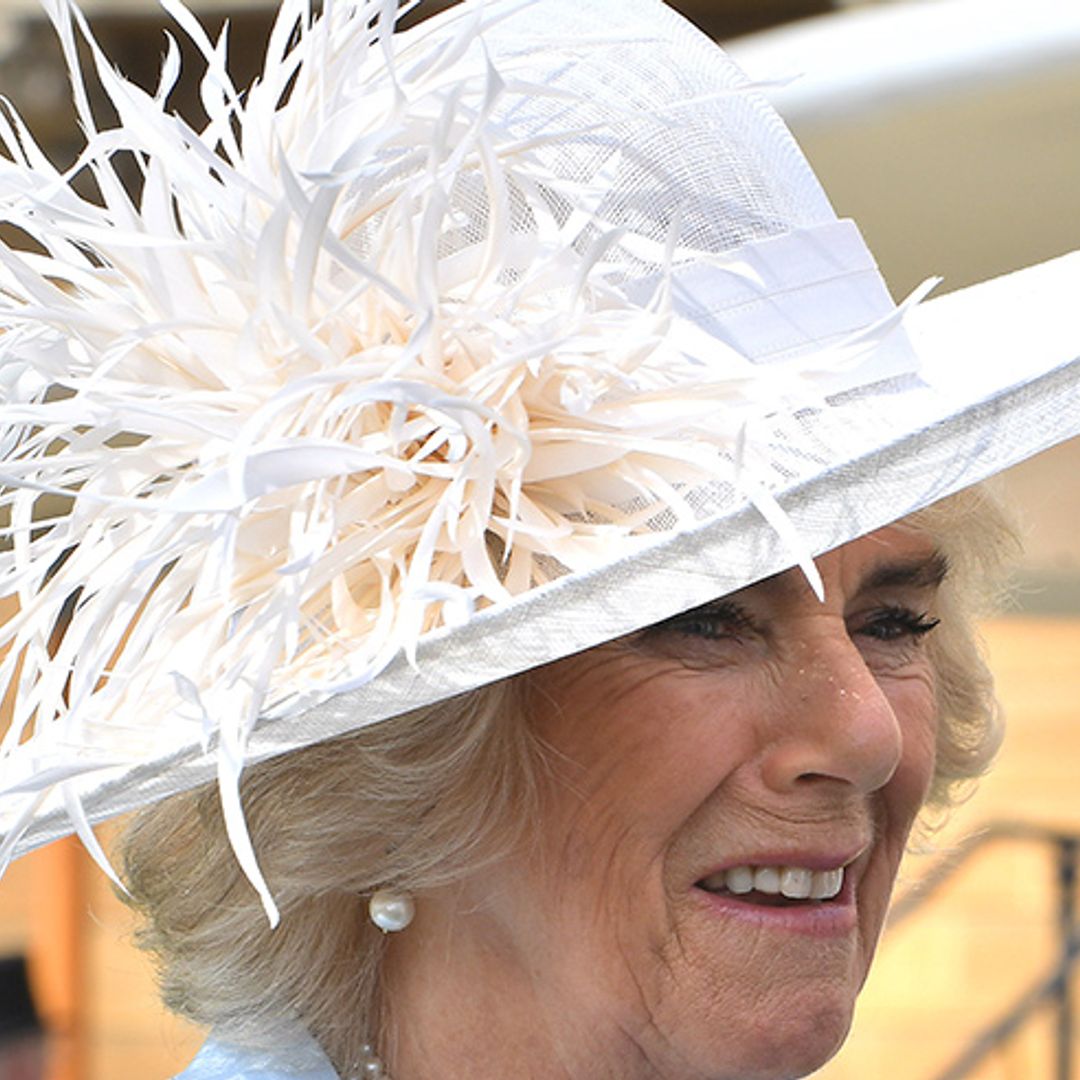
{"x": 730, "y": 796}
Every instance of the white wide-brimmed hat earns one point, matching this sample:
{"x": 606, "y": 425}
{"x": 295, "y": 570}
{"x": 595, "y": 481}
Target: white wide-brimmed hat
{"x": 432, "y": 358}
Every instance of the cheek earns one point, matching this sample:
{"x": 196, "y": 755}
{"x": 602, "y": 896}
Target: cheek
{"x": 914, "y": 703}
{"x": 633, "y": 757}
{"x": 641, "y": 750}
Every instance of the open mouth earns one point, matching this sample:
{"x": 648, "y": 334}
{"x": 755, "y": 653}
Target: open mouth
{"x": 775, "y": 886}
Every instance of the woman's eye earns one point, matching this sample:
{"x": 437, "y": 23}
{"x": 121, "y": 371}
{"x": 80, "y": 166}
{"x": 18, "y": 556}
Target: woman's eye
{"x": 719, "y": 621}
{"x": 898, "y": 624}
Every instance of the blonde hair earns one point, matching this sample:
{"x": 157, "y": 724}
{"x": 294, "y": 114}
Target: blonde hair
{"x": 980, "y": 541}
{"x": 410, "y": 803}
{"x": 421, "y": 801}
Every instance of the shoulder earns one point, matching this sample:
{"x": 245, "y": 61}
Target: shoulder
{"x": 220, "y": 1061}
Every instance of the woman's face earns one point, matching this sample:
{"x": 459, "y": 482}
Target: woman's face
{"x": 708, "y": 774}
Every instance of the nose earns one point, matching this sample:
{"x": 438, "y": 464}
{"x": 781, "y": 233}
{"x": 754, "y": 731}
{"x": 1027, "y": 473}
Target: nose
{"x": 834, "y": 723}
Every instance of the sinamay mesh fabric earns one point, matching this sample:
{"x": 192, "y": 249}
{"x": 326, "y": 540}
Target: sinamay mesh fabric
{"x": 413, "y": 327}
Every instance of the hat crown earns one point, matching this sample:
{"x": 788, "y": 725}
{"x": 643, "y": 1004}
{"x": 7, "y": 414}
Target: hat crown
{"x": 632, "y": 115}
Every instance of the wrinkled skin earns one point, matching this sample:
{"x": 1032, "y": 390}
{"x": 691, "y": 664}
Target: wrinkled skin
{"x": 764, "y": 728}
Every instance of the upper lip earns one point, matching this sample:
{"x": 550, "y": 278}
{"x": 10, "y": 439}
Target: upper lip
{"x": 832, "y": 858}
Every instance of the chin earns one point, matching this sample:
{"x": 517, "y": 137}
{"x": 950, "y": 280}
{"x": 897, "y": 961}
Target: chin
{"x": 781, "y": 1048}
{"x": 798, "y": 1047}
{"x": 807, "y": 1055}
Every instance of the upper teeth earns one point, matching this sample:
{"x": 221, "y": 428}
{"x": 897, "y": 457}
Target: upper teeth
{"x": 794, "y": 882}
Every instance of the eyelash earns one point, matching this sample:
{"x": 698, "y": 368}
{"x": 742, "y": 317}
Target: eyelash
{"x": 713, "y": 622}
{"x": 723, "y": 621}
{"x": 894, "y": 623}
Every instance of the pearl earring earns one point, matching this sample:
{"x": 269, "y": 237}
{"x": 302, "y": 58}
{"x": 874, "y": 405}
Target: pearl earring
{"x": 371, "y": 1067}
{"x": 391, "y": 911}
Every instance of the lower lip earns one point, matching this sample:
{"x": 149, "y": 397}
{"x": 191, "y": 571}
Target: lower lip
{"x": 822, "y": 919}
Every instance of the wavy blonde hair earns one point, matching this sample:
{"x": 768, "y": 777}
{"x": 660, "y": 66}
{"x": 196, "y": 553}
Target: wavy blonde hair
{"x": 423, "y": 800}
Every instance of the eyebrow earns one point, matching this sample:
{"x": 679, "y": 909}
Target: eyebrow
{"x": 922, "y": 573}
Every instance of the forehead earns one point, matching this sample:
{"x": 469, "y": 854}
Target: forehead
{"x": 900, "y": 556}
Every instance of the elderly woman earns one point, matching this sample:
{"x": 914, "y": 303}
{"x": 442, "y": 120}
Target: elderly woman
{"x": 502, "y": 510}
{"x": 669, "y": 856}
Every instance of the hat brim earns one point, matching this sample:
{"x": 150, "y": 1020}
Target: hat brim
{"x": 1001, "y": 364}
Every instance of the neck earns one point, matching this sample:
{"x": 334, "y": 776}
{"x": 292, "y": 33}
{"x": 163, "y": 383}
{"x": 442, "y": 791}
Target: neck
{"x": 456, "y": 992}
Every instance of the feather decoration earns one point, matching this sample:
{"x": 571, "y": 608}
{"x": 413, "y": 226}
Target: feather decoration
{"x": 352, "y": 365}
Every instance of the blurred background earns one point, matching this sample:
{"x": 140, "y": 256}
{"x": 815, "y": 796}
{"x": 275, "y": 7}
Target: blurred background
{"x": 950, "y": 130}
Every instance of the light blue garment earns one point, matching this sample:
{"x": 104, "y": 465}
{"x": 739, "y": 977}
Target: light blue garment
{"x": 219, "y": 1061}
